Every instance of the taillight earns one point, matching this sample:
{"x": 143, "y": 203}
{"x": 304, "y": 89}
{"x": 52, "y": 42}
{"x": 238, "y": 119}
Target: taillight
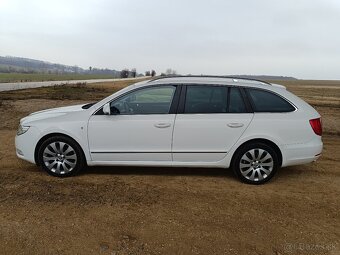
{"x": 316, "y": 126}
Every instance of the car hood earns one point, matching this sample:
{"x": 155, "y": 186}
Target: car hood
{"x": 49, "y": 113}
{"x": 73, "y": 108}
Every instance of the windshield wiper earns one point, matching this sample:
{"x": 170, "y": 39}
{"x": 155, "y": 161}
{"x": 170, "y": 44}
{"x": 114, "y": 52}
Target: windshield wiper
{"x": 87, "y": 106}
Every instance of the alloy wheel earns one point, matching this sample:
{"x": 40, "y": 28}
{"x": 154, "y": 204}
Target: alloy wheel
{"x": 60, "y": 157}
{"x": 256, "y": 164}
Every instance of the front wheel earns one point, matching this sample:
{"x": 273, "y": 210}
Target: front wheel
{"x": 61, "y": 156}
{"x": 255, "y": 163}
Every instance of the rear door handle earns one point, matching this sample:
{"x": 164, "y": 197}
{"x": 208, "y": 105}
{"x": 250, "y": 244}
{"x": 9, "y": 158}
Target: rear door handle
{"x": 235, "y": 125}
{"x": 162, "y": 125}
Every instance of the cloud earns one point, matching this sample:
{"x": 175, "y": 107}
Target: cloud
{"x": 216, "y": 37}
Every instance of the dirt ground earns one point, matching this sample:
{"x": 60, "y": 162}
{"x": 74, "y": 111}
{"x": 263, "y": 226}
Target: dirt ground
{"x": 124, "y": 210}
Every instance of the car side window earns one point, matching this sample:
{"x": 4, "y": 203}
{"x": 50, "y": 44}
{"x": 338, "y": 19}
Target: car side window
{"x": 265, "y": 101}
{"x": 206, "y": 99}
{"x": 236, "y": 103}
{"x": 156, "y": 100}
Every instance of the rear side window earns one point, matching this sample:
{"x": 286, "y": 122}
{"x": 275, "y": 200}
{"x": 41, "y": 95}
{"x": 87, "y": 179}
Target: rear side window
{"x": 265, "y": 101}
{"x": 236, "y": 103}
{"x": 206, "y": 99}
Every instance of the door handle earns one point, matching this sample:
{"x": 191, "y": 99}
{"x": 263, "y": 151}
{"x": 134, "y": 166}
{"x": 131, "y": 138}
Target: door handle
{"x": 235, "y": 125}
{"x": 162, "y": 125}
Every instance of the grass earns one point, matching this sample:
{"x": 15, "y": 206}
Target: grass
{"x": 60, "y": 92}
{"x": 79, "y": 91}
{"x": 72, "y": 92}
{"x": 316, "y": 93}
{"x": 22, "y": 77}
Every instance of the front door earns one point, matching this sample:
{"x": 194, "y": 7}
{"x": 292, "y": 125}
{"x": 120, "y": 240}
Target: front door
{"x": 139, "y": 129}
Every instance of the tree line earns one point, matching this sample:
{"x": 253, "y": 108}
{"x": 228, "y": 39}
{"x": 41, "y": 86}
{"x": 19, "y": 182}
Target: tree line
{"x": 126, "y": 73}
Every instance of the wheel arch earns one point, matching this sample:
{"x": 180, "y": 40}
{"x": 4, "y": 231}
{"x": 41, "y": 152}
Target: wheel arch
{"x": 261, "y": 140}
{"x": 42, "y": 139}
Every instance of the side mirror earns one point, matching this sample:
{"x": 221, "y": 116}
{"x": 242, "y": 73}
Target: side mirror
{"x": 106, "y": 109}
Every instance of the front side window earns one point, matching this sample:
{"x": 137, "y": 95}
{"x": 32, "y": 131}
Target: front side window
{"x": 265, "y": 101}
{"x": 206, "y": 99}
{"x": 155, "y": 100}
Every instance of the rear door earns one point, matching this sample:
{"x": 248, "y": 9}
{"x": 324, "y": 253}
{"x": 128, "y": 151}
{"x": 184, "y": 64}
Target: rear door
{"x": 209, "y": 122}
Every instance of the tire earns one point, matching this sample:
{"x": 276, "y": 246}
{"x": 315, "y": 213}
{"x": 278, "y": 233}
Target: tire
{"x": 255, "y": 163}
{"x": 61, "y": 156}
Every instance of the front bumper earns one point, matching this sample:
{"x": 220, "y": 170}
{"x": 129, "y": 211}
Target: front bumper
{"x": 25, "y": 144}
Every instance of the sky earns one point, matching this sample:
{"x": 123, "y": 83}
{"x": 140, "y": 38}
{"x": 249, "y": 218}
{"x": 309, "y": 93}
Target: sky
{"x": 299, "y": 38}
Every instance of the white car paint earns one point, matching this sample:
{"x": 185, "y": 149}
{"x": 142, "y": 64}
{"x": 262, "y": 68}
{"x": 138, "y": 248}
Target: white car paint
{"x": 199, "y": 140}
{"x": 131, "y": 134}
{"x": 217, "y": 140}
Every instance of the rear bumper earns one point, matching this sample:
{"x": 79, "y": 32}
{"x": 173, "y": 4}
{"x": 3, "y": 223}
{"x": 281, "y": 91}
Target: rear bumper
{"x": 298, "y": 154}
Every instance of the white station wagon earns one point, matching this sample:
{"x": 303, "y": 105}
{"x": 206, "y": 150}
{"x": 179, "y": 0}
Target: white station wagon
{"x": 251, "y": 126}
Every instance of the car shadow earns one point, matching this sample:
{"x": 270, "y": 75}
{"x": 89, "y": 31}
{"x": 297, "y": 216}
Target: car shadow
{"x": 292, "y": 171}
{"x": 164, "y": 171}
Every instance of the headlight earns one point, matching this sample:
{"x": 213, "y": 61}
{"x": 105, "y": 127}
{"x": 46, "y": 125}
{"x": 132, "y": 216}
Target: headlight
{"x": 22, "y": 130}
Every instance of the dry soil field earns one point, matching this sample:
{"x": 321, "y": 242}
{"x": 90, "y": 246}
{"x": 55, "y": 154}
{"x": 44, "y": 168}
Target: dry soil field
{"x": 118, "y": 210}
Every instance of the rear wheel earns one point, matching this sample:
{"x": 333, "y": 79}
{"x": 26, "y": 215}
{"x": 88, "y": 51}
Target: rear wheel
{"x": 61, "y": 156}
{"x": 255, "y": 163}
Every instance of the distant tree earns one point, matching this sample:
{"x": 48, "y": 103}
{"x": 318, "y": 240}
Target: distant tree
{"x": 90, "y": 68}
{"x": 147, "y": 73}
{"x": 153, "y": 73}
{"x": 170, "y": 71}
{"x": 133, "y": 72}
{"x": 124, "y": 73}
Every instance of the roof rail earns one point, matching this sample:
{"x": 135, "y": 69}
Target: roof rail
{"x": 208, "y": 76}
